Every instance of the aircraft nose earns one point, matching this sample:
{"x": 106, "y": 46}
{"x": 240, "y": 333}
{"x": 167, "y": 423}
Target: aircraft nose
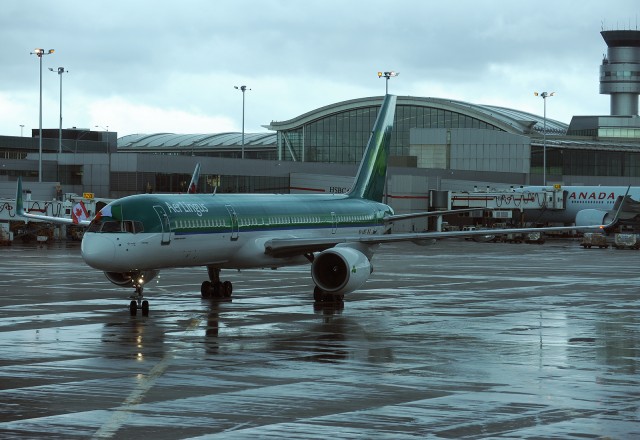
{"x": 98, "y": 251}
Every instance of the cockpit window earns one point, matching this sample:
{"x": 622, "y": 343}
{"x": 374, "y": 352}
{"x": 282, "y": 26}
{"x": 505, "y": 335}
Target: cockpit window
{"x": 94, "y": 227}
{"x": 128, "y": 226}
{"x": 112, "y": 226}
{"x": 110, "y": 220}
{"x": 133, "y": 226}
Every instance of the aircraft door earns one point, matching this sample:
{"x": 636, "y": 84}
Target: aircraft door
{"x": 166, "y": 225}
{"x": 334, "y": 222}
{"x": 234, "y": 222}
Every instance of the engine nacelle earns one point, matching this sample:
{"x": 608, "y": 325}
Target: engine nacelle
{"x": 587, "y": 217}
{"x": 131, "y": 279}
{"x": 340, "y": 270}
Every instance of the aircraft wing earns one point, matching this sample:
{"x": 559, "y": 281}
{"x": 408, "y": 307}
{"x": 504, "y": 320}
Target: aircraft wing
{"x": 396, "y": 217}
{"x": 45, "y": 218}
{"x": 57, "y": 220}
{"x": 288, "y": 247}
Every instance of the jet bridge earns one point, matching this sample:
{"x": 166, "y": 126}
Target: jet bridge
{"x": 507, "y": 204}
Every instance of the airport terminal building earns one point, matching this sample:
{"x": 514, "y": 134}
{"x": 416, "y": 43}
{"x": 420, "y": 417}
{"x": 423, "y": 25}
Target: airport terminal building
{"x": 437, "y": 144}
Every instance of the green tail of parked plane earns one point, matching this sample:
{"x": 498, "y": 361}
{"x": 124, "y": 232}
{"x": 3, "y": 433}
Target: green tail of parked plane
{"x": 131, "y": 239}
{"x": 372, "y": 175}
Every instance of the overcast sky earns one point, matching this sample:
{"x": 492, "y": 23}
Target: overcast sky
{"x": 141, "y": 66}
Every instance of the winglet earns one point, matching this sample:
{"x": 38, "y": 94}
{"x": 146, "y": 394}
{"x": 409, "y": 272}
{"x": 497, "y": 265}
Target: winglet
{"x": 616, "y": 217}
{"x": 19, "y": 202}
{"x": 371, "y": 177}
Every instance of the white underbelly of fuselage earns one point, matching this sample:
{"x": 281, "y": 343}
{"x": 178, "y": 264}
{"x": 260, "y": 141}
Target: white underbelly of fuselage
{"x": 122, "y": 252}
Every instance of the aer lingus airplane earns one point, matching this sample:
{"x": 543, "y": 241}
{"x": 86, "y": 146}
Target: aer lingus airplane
{"x": 132, "y": 238}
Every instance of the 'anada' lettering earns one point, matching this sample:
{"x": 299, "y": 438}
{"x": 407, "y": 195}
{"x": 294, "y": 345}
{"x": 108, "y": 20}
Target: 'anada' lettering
{"x": 591, "y": 196}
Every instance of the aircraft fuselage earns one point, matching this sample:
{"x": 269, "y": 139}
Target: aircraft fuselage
{"x": 150, "y": 231}
{"x": 579, "y": 198}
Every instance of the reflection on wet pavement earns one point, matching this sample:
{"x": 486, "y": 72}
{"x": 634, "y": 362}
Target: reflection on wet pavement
{"x": 455, "y": 340}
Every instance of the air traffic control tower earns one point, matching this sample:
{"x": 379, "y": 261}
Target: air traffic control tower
{"x": 620, "y": 78}
{"x": 620, "y": 71}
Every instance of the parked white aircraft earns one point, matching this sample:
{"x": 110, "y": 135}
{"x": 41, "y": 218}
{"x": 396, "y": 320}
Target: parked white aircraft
{"x": 586, "y": 205}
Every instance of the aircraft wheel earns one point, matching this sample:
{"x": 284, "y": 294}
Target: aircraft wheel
{"x": 133, "y": 308}
{"x": 216, "y": 288}
{"x": 227, "y": 289}
{"x": 145, "y": 308}
{"x": 205, "y": 289}
{"x": 321, "y": 296}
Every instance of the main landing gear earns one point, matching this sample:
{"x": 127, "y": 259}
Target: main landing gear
{"x": 327, "y": 303}
{"x": 213, "y": 287}
{"x": 137, "y": 303}
{"x": 320, "y": 296}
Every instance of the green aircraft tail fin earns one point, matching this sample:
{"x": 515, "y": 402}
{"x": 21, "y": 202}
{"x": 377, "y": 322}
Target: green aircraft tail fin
{"x": 371, "y": 177}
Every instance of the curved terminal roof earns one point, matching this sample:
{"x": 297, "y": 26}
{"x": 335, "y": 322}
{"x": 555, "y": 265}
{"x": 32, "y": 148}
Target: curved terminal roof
{"x": 583, "y": 144}
{"x": 553, "y": 126}
{"x": 195, "y": 141}
{"x": 510, "y": 120}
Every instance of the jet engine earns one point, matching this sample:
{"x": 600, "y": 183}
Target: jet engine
{"x": 340, "y": 270}
{"x": 588, "y": 217}
{"x": 131, "y": 279}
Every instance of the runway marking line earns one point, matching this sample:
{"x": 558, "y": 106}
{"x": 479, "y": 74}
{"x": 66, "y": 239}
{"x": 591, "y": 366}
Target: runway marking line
{"x": 146, "y": 382}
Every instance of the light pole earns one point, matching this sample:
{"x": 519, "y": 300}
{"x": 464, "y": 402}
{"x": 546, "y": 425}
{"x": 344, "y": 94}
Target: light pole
{"x": 544, "y": 96}
{"x": 60, "y": 72}
{"x": 242, "y": 89}
{"x": 40, "y": 53}
{"x": 387, "y": 75}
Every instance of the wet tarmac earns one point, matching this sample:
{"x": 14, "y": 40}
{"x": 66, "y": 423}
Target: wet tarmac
{"x": 455, "y": 340}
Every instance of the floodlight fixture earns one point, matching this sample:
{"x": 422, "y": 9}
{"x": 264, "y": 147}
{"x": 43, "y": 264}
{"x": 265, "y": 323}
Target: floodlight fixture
{"x": 387, "y": 75}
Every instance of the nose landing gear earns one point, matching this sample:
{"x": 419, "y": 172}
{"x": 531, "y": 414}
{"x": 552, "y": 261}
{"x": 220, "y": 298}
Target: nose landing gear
{"x": 138, "y": 303}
